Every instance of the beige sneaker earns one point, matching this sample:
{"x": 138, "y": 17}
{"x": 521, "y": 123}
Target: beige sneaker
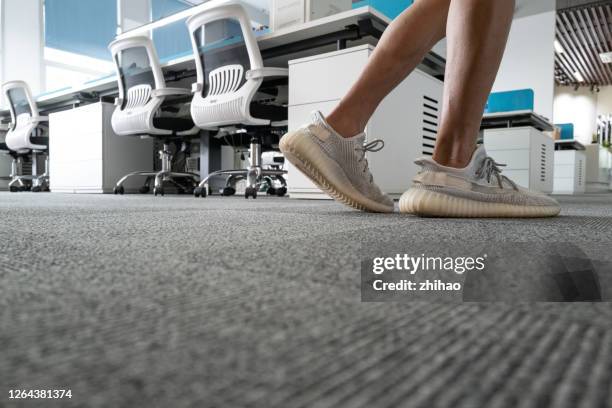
{"x": 336, "y": 164}
{"x": 479, "y": 190}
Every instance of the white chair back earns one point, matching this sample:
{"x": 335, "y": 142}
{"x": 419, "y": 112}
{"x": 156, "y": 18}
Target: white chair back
{"x": 25, "y": 118}
{"x": 225, "y": 49}
{"x": 139, "y": 73}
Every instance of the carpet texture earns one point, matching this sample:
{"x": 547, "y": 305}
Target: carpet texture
{"x": 138, "y": 301}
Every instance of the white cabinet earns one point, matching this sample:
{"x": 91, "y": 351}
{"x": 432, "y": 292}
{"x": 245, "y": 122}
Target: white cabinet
{"x": 570, "y": 172}
{"x": 527, "y": 153}
{"x": 598, "y": 165}
{"x": 86, "y": 156}
{"x": 407, "y": 120}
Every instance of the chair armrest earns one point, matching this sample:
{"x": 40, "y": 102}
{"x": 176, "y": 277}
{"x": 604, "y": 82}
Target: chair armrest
{"x": 37, "y": 119}
{"x": 266, "y": 72}
{"x": 196, "y": 87}
{"x": 170, "y": 92}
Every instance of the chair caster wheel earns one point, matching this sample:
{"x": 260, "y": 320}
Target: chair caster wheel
{"x": 13, "y": 189}
{"x": 46, "y": 189}
{"x": 250, "y": 192}
{"x": 118, "y": 190}
{"x": 36, "y": 189}
{"x": 229, "y": 191}
{"x": 271, "y": 191}
{"x": 200, "y": 192}
{"x": 280, "y": 192}
{"x": 158, "y": 190}
{"x": 144, "y": 190}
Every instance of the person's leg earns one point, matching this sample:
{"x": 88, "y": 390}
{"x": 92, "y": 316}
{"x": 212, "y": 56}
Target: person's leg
{"x": 461, "y": 180}
{"x": 401, "y": 48}
{"x": 332, "y": 151}
{"x": 477, "y": 31}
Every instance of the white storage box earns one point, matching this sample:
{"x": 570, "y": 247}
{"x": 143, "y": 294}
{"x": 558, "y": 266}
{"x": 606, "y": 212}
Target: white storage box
{"x": 570, "y": 172}
{"x": 527, "y": 153}
{"x": 86, "y": 156}
{"x": 407, "y": 120}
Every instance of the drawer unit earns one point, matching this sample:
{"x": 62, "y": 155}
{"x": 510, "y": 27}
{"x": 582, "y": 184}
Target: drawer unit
{"x": 598, "y": 166}
{"x": 527, "y": 153}
{"x": 86, "y": 156}
{"x": 570, "y": 172}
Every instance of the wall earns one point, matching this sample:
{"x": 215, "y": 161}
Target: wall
{"x": 22, "y": 48}
{"x": 529, "y": 57}
{"x": 581, "y": 107}
{"x": 577, "y": 107}
{"x": 604, "y": 101}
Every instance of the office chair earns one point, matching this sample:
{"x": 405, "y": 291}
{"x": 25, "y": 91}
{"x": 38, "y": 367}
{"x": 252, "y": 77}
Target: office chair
{"x": 26, "y": 139}
{"x": 230, "y": 88}
{"x": 141, "y": 110}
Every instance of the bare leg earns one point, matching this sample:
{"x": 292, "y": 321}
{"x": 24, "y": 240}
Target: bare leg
{"x": 477, "y": 33}
{"x": 400, "y": 50}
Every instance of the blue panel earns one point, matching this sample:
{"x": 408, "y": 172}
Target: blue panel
{"x": 510, "y": 101}
{"x": 390, "y": 8}
{"x": 84, "y": 27}
{"x": 567, "y": 131}
{"x": 173, "y": 39}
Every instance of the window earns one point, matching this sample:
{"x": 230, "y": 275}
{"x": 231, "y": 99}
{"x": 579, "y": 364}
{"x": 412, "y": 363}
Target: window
{"x": 171, "y": 41}
{"x": 84, "y": 27}
{"x": 77, "y": 35}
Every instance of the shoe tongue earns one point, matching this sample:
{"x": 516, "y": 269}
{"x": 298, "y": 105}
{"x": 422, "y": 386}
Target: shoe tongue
{"x": 477, "y": 158}
{"x": 358, "y": 139}
{"x": 479, "y": 155}
{"x": 319, "y": 119}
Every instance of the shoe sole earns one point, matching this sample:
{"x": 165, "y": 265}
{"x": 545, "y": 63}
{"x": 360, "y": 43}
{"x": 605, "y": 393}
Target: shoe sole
{"x": 427, "y": 203}
{"x": 325, "y": 173}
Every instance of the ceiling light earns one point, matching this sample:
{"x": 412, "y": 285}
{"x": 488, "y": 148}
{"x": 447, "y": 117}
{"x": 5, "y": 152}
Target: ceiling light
{"x": 606, "y": 57}
{"x": 558, "y": 47}
{"x": 578, "y": 76}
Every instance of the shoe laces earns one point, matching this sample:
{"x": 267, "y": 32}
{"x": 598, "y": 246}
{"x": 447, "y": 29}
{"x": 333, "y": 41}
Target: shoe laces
{"x": 490, "y": 168}
{"x": 373, "y": 146}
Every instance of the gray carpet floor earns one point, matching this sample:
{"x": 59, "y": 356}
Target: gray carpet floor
{"x": 138, "y": 301}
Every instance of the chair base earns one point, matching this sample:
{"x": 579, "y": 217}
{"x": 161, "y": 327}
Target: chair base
{"x": 160, "y": 178}
{"x": 166, "y": 175}
{"x": 256, "y": 177}
{"x": 35, "y": 183}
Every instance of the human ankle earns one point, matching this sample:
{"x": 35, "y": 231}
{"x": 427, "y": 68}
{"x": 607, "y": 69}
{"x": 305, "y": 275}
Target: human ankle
{"x": 455, "y": 156}
{"x": 343, "y": 125}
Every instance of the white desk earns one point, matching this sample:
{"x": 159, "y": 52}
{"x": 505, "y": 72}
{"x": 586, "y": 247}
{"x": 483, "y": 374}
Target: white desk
{"x": 361, "y": 25}
{"x": 516, "y": 118}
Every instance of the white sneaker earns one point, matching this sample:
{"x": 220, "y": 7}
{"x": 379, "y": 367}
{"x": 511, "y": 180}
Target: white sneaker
{"x": 336, "y": 164}
{"x": 479, "y": 190}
